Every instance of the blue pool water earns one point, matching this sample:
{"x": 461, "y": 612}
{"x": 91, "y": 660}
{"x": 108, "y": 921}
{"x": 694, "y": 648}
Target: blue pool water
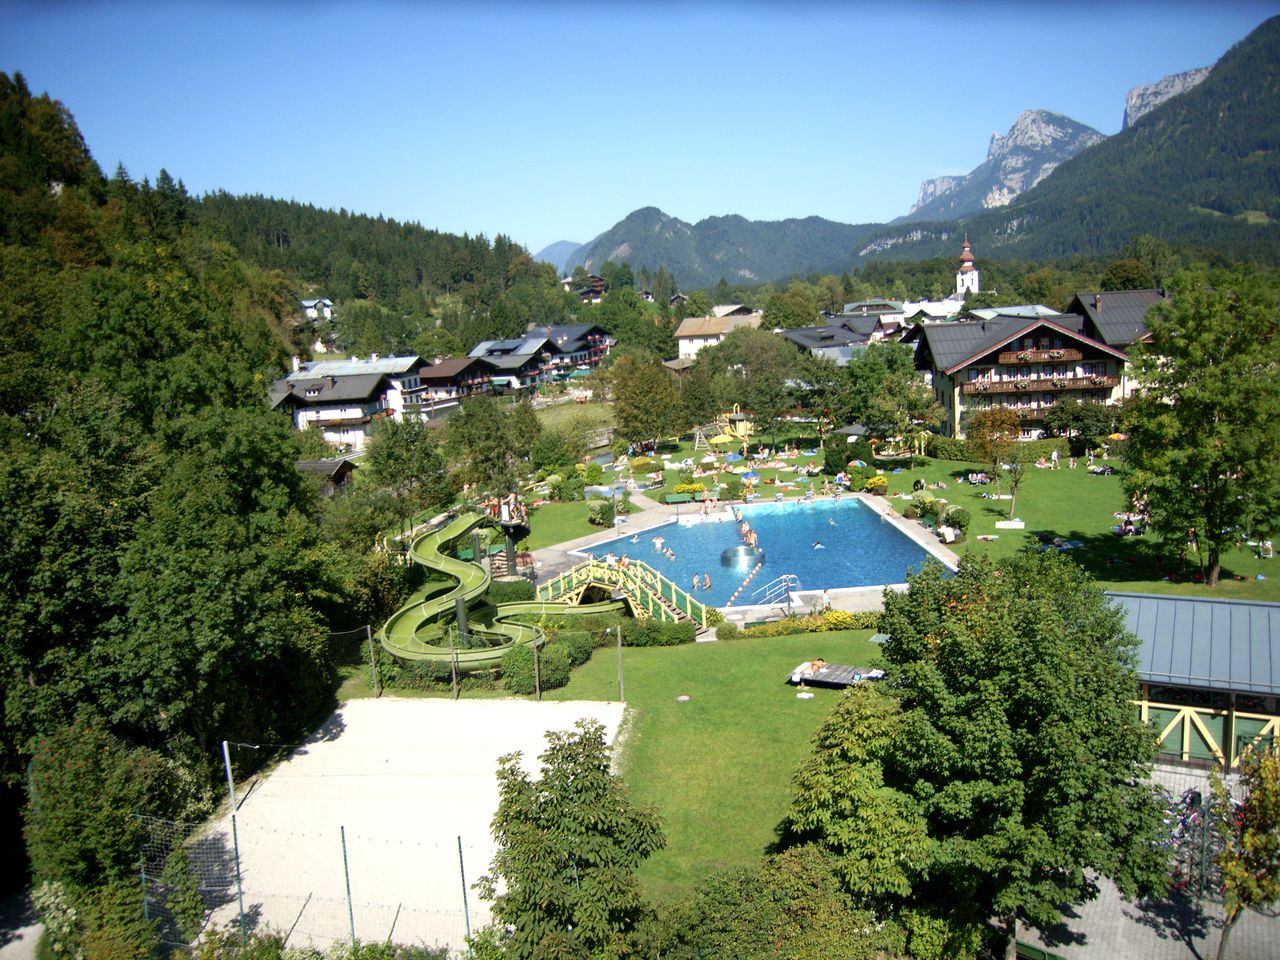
{"x": 859, "y": 549}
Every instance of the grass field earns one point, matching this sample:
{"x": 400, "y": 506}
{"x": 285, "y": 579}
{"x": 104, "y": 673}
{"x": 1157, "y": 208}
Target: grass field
{"x": 554, "y": 523}
{"x": 718, "y": 767}
{"x": 596, "y": 415}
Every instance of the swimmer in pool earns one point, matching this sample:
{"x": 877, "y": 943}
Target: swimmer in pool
{"x": 817, "y": 545}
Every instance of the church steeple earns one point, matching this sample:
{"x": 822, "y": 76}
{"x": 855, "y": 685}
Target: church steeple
{"x": 967, "y": 275}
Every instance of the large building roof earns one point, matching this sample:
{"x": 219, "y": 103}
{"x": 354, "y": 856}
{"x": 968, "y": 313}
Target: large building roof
{"x": 715, "y": 326}
{"x": 314, "y": 391}
{"x": 450, "y": 367}
{"x": 356, "y": 366}
{"x": 1231, "y": 645}
{"x": 954, "y": 345}
{"x": 1119, "y": 317}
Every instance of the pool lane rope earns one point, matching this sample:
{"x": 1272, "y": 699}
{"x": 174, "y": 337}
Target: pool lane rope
{"x": 742, "y": 586}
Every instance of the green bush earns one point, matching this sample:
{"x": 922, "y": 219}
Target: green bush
{"x": 948, "y": 448}
{"x": 114, "y": 926}
{"x": 878, "y": 486}
{"x": 958, "y": 517}
{"x": 816, "y": 623}
{"x": 510, "y": 591}
{"x": 570, "y": 488}
{"x": 727, "y": 631}
{"x": 624, "y": 502}
{"x": 600, "y": 513}
{"x": 86, "y": 788}
{"x": 577, "y": 644}
{"x": 927, "y": 505}
{"x": 642, "y": 465}
{"x": 733, "y": 487}
{"x": 656, "y": 633}
{"x": 518, "y": 671}
{"x": 594, "y": 473}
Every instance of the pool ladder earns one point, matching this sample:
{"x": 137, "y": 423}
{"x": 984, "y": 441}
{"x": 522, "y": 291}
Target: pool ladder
{"x": 779, "y": 588}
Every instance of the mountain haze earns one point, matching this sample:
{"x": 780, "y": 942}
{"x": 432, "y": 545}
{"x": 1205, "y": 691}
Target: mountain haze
{"x": 733, "y": 247}
{"x": 557, "y": 254}
{"x": 1033, "y": 148}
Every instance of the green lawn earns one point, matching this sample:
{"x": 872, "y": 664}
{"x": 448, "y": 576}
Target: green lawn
{"x": 718, "y": 767}
{"x": 554, "y": 523}
{"x": 597, "y": 414}
{"x": 1077, "y": 505}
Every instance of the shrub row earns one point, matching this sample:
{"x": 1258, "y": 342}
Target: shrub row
{"x": 656, "y": 633}
{"x": 518, "y": 670}
{"x": 815, "y": 623}
{"x": 689, "y": 488}
{"x": 578, "y": 645}
{"x": 510, "y": 591}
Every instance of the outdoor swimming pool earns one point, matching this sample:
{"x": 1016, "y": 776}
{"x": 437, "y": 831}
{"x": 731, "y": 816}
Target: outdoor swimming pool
{"x": 858, "y": 548}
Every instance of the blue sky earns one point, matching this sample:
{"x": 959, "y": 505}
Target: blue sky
{"x": 551, "y": 121}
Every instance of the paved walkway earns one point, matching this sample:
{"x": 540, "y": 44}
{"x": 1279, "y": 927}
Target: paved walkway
{"x": 19, "y": 928}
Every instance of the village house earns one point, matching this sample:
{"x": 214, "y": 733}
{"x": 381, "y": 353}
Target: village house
{"x": 343, "y": 398}
{"x": 694, "y": 333}
{"x": 1025, "y": 362}
{"x": 445, "y": 382}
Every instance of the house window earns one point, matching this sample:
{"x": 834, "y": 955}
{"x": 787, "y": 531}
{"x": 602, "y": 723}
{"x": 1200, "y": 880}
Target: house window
{"x": 1047, "y": 370}
{"x": 1026, "y": 373}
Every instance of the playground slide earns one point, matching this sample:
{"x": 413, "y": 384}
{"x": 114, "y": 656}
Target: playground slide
{"x": 414, "y": 632}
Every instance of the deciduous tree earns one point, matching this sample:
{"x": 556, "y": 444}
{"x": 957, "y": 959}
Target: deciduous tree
{"x": 563, "y": 879}
{"x": 1204, "y": 429}
{"x": 647, "y": 404}
{"x": 1250, "y": 860}
{"x": 1019, "y": 741}
{"x": 992, "y": 433}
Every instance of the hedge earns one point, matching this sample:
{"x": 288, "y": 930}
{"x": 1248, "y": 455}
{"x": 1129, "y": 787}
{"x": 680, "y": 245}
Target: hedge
{"x": 816, "y": 623}
{"x": 689, "y": 488}
{"x": 510, "y": 591}
{"x": 577, "y": 644}
{"x": 600, "y": 513}
{"x": 517, "y": 668}
{"x": 656, "y": 633}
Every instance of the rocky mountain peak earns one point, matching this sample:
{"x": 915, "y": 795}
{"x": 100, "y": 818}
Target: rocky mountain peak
{"x": 1036, "y": 130}
{"x": 1016, "y": 161}
{"x": 1145, "y": 97}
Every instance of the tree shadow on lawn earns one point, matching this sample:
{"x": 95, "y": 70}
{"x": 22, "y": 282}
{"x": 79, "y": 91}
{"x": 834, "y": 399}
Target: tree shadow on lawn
{"x": 1111, "y": 558}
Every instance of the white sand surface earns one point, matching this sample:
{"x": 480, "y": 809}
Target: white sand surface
{"x": 406, "y": 779}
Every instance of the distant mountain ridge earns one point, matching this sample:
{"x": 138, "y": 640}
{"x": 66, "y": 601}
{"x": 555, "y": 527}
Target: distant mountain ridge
{"x": 1201, "y": 168}
{"x": 1145, "y": 97}
{"x": 1037, "y": 143}
{"x": 557, "y": 254}
{"x": 733, "y": 247}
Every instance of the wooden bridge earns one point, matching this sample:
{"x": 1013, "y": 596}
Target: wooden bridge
{"x": 649, "y": 594}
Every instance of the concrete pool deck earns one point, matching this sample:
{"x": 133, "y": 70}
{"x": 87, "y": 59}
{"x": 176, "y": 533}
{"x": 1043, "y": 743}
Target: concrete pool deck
{"x": 550, "y": 561}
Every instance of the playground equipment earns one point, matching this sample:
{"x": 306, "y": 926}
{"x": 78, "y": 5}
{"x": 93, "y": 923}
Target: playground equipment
{"x": 416, "y": 632}
{"x": 647, "y": 592}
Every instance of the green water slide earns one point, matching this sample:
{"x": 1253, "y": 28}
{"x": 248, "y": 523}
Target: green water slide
{"x": 419, "y": 629}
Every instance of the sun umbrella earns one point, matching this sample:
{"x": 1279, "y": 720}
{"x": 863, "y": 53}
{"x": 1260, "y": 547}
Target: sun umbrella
{"x": 723, "y": 438}
{"x": 1118, "y": 436}
{"x": 751, "y": 475}
{"x": 733, "y": 457}
{"x": 709, "y": 458}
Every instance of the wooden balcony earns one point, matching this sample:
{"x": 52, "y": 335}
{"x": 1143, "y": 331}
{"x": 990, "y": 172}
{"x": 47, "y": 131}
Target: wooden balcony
{"x": 1038, "y": 385}
{"x": 1041, "y": 356}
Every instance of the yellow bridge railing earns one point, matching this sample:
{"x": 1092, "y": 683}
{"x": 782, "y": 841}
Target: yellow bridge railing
{"x": 649, "y": 592}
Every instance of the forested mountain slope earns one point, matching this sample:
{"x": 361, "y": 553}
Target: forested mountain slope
{"x": 733, "y": 248}
{"x": 1203, "y": 168}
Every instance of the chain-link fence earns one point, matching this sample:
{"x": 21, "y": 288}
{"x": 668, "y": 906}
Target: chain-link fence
{"x": 314, "y": 889}
{"x": 352, "y": 653}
